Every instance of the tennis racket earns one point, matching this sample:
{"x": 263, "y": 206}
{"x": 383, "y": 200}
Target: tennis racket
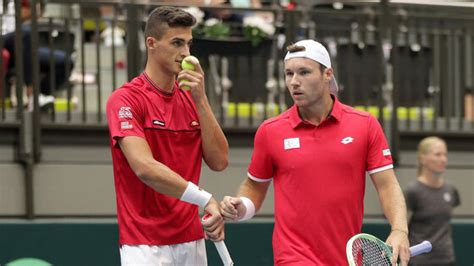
{"x": 365, "y": 249}
{"x": 222, "y": 249}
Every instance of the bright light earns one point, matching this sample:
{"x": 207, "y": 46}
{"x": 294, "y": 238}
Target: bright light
{"x": 338, "y": 5}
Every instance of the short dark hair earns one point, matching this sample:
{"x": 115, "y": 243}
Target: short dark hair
{"x": 164, "y": 17}
{"x": 293, "y": 48}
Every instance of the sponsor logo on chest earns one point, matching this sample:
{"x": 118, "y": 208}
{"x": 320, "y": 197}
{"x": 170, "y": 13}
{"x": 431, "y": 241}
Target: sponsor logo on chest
{"x": 347, "y": 140}
{"x": 291, "y": 143}
{"x": 158, "y": 123}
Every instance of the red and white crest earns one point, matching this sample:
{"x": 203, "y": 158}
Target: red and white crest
{"x": 125, "y": 112}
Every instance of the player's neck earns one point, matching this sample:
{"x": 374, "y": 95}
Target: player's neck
{"x": 431, "y": 179}
{"x": 317, "y": 113}
{"x": 162, "y": 80}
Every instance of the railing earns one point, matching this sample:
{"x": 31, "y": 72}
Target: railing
{"x": 409, "y": 66}
{"x": 430, "y": 71}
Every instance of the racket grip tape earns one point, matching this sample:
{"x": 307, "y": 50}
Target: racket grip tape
{"x": 223, "y": 253}
{"x": 222, "y": 249}
{"x": 423, "y": 247}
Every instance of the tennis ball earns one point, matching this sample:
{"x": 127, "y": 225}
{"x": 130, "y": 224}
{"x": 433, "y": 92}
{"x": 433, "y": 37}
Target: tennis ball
{"x": 189, "y": 63}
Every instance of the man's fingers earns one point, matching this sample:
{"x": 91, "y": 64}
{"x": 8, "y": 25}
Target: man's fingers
{"x": 215, "y": 235}
{"x": 404, "y": 254}
{"x": 400, "y": 256}
{"x": 211, "y": 222}
{"x": 394, "y": 257}
{"x": 198, "y": 69}
{"x": 228, "y": 215}
{"x": 214, "y": 229}
{"x": 228, "y": 208}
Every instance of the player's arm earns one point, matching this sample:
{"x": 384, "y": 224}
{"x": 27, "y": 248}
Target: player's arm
{"x": 214, "y": 143}
{"x": 150, "y": 171}
{"x": 164, "y": 180}
{"x": 248, "y": 201}
{"x": 394, "y": 208}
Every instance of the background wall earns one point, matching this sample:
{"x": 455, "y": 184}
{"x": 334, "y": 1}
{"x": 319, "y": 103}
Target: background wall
{"x": 78, "y": 181}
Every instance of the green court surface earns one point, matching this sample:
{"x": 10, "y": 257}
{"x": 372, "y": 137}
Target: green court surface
{"x": 95, "y": 243}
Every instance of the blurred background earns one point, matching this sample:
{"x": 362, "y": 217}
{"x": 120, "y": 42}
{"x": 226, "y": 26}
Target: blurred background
{"x": 409, "y": 63}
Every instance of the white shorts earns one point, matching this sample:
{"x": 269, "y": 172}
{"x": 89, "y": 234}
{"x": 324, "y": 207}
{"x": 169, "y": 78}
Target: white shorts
{"x": 190, "y": 253}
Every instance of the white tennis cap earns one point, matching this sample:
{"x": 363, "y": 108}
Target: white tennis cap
{"x": 317, "y": 52}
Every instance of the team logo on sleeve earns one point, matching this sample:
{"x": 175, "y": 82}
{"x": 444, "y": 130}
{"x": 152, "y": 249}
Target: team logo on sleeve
{"x": 386, "y": 152}
{"x": 125, "y": 112}
{"x": 125, "y": 125}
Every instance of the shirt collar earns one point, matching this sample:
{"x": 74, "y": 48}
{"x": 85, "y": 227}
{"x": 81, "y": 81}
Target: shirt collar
{"x": 157, "y": 88}
{"x": 336, "y": 113}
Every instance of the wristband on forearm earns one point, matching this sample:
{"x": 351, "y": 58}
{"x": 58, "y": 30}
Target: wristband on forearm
{"x": 249, "y": 209}
{"x": 194, "y": 195}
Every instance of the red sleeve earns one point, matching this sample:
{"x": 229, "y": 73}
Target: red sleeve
{"x": 261, "y": 167}
{"x": 379, "y": 157}
{"x": 124, "y": 116}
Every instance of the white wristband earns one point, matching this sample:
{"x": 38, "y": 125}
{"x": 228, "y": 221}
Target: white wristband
{"x": 249, "y": 209}
{"x": 194, "y": 195}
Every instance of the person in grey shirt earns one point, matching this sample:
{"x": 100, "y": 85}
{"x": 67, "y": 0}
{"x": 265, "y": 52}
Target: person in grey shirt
{"x": 431, "y": 201}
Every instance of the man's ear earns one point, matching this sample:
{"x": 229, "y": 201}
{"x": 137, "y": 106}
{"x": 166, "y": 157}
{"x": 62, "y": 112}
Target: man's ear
{"x": 150, "y": 42}
{"x": 328, "y": 72}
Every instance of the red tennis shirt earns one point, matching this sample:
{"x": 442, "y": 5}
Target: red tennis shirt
{"x": 169, "y": 123}
{"x": 319, "y": 180}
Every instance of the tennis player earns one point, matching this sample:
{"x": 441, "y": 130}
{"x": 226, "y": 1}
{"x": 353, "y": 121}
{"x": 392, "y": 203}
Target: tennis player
{"x": 159, "y": 135}
{"x": 431, "y": 201}
{"x": 318, "y": 153}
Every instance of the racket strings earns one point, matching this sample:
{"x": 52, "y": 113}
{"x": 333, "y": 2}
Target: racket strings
{"x": 367, "y": 252}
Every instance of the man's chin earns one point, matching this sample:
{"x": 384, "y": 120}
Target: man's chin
{"x": 299, "y": 103}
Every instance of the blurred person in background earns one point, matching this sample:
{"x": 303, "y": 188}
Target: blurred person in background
{"x": 430, "y": 201}
{"x": 60, "y": 59}
{"x": 159, "y": 136}
{"x": 225, "y": 14}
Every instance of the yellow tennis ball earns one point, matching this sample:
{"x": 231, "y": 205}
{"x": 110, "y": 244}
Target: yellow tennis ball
{"x": 189, "y": 63}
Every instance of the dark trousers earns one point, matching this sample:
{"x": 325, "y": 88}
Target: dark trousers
{"x": 62, "y": 65}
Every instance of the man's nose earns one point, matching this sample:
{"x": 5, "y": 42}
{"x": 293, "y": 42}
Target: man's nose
{"x": 294, "y": 80}
{"x": 186, "y": 51}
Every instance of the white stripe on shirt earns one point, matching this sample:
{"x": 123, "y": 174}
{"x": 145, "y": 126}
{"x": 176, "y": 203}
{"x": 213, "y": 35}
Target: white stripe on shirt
{"x": 380, "y": 169}
{"x": 256, "y": 179}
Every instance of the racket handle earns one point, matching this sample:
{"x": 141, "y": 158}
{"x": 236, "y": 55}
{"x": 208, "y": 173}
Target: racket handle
{"x": 221, "y": 249}
{"x": 224, "y": 253}
{"x": 423, "y": 247}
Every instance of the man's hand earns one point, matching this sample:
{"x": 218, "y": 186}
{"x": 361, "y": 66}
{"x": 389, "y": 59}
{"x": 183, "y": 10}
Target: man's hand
{"x": 400, "y": 245}
{"x": 213, "y": 223}
{"x": 232, "y": 208}
{"x": 194, "y": 80}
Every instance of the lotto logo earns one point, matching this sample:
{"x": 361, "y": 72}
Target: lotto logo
{"x": 347, "y": 140}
